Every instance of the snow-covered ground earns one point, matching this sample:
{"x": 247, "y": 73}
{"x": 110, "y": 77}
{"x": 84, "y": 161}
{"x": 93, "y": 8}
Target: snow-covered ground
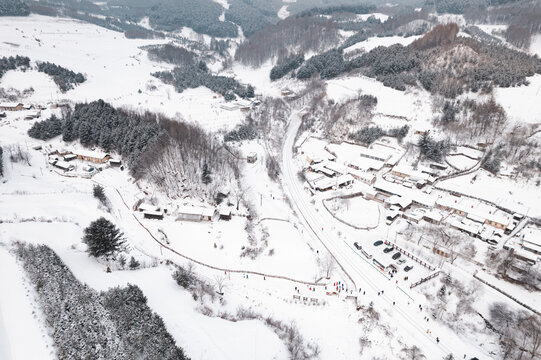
{"x": 356, "y": 211}
{"x": 522, "y": 103}
{"x": 117, "y": 70}
{"x": 374, "y": 42}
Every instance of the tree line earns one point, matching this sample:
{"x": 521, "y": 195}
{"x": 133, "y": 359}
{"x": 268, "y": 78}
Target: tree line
{"x": 192, "y": 76}
{"x": 85, "y": 324}
{"x": 13, "y": 63}
{"x": 14, "y": 8}
{"x": 369, "y": 134}
{"x": 65, "y": 79}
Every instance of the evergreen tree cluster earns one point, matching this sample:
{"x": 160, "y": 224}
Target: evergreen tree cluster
{"x": 454, "y": 6}
{"x": 1, "y": 161}
{"x": 64, "y": 78}
{"x": 354, "y": 9}
{"x": 191, "y": 76}
{"x": 14, "y": 8}
{"x": 12, "y": 63}
{"x": 432, "y": 149}
{"x": 99, "y": 124}
{"x": 85, "y": 324}
{"x": 328, "y": 65}
{"x": 241, "y": 132}
{"x": 141, "y": 328}
{"x": 368, "y": 135}
{"x": 46, "y": 129}
{"x": 172, "y": 54}
{"x": 292, "y": 63}
{"x": 170, "y": 15}
{"x": 252, "y": 15}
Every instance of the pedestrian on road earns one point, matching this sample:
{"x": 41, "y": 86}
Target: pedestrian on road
{"x": 438, "y": 340}
{"x": 378, "y": 293}
{"x": 427, "y": 319}
{"x": 381, "y": 292}
{"x": 364, "y": 292}
{"x": 393, "y": 303}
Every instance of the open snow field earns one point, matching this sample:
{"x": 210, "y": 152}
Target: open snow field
{"x": 355, "y": 211}
{"x": 115, "y": 67}
{"x": 375, "y": 41}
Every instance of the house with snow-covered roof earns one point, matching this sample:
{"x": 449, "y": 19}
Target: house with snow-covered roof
{"x": 11, "y": 106}
{"x": 93, "y": 156}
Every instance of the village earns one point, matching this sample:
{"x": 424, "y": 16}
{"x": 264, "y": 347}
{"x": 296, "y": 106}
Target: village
{"x": 408, "y": 189}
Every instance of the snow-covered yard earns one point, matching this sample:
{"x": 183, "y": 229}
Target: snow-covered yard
{"x": 355, "y": 211}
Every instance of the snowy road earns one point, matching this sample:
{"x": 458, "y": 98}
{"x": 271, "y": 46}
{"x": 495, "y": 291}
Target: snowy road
{"x": 363, "y": 275}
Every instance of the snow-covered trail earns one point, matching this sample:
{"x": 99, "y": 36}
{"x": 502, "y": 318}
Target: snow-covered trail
{"x": 21, "y": 334}
{"x": 363, "y": 275}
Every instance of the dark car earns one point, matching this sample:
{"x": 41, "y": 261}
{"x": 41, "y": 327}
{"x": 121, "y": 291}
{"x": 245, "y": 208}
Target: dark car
{"x": 388, "y": 250}
{"x": 357, "y": 246}
{"x": 408, "y": 268}
{"x": 397, "y": 256}
{"x": 378, "y": 243}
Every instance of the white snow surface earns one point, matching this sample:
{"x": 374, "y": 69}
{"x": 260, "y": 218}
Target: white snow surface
{"x": 115, "y": 67}
{"x": 374, "y": 42}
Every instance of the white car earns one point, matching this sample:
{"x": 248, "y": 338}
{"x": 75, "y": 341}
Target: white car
{"x": 401, "y": 261}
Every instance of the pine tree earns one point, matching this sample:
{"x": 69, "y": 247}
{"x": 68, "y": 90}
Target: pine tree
{"x": 1, "y": 162}
{"x": 134, "y": 264}
{"x": 103, "y": 238}
{"x": 206, "y": 177}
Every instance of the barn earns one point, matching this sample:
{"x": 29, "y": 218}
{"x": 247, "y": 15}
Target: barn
{"x": 197, "y": 213}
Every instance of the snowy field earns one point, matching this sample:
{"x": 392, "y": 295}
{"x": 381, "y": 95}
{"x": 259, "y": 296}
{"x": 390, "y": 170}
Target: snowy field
{"x": 461, "y": 162}
{"x": 116, "y": 69}
{"x": 356, "y": 211}
{"x": 374, "y": 42}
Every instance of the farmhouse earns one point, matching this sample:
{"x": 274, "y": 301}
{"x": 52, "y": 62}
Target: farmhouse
{"x": 93, "y": 156}
{"x": 11, "y": 106}
{"x": 531, "y": 240}
{"x": 364, "y": 176}
{"x": 63, "y": 165}
{"x": 197, "y": 213}
{"x": 417, "y": 197}
{"x": 325, "y": 183}
{"x": 475, "y": 210}
{"x": 375, "y": 155}
{"x": 225, "y": 214}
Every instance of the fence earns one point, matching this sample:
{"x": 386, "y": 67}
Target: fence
{"x": 425, "y": 279}
{"x": 506, "y": 294}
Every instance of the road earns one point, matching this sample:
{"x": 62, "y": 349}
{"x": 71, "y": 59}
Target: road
{"x": 361, "y": 273}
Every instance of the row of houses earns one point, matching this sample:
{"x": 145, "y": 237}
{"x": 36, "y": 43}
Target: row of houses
{"x": 184, "y": 213}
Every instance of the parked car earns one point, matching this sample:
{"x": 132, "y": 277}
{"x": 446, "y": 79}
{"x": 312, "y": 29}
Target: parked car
{"x": 401, "y": 261}
{"x": 357, "y": 246}
{"x": 388, "y": 250}
{"x": 408, "y": 268}
{"x": 378, "y": 243}
{"x": 397, "y": 256}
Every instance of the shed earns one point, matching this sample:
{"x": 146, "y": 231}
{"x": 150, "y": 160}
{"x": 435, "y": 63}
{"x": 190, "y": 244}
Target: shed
{"x": 63, "y": 165}
{"x": 94, "y": 156}
{"x": 149, "y": 214}
{"x": 225, "y": 214}
{"x": 70, "y": 157}
{"x": 115, "y": 162}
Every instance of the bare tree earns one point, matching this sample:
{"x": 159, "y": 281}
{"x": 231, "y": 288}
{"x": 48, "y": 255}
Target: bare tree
{"x": 238, "y": 193}
{"x": 413, "y": 353}
{"x": 328, "y": 265}
{"x": 220, "y": 281}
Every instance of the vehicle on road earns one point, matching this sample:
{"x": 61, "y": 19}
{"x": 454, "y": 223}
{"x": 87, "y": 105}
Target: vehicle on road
{"x": 357, "y": 246}
{"x": 388, "y": 250}
{"x": 378, "y": 243}
{"x": 397, "y": 256}
{"x": 401, "y": 261}
{"x": 408, "y": 268}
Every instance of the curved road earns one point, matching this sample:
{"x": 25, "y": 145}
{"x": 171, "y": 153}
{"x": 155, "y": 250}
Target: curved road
{"x": 363, "y": 275}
